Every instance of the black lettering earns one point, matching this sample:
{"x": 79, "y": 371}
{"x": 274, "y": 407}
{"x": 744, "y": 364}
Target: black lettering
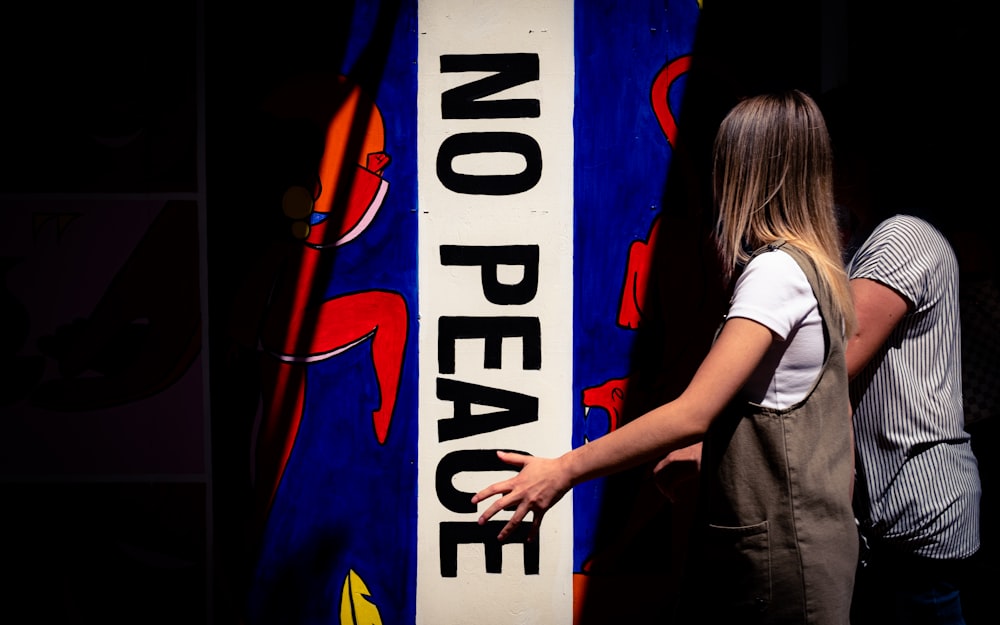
{"x": 489, "y": 184}
{"x": 465, "y": 101}
{"x": 455, "y": 533}
{"x": 489, "y": 258}
{"x": 493, "y": 330}
{"x": 519, "y": 409}
{"x": 458, "y": 462}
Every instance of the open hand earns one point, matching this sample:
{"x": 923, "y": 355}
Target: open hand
{"x": 538, "y": 485}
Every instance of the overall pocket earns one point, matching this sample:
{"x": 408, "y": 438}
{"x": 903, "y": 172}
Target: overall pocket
{"x": 738, "y": 559}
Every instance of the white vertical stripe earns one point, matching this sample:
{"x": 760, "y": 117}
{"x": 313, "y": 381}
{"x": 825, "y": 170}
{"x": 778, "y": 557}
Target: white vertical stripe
{"x": 542, "y": 216}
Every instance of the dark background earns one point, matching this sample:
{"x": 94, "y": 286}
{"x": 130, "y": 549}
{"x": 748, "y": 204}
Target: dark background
{"x": 192, "y": 78}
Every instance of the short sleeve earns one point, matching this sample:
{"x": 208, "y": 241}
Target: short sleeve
{"x": 773, "y": 291}
{"x": 900, "y": 253}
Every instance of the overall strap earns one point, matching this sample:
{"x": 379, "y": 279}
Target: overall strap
{"x": 770, "y": 247}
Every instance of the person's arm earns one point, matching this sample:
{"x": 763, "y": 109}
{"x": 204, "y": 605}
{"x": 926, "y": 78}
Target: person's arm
{"x": 879, "y": 309}
{"x": 541, "y": 482}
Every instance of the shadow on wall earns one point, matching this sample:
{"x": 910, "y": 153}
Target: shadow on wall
{"x": 927, "y": 121}
{"x": 738, "y": 51}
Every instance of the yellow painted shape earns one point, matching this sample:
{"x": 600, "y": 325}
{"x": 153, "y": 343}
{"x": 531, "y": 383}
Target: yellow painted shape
{"x": 356, "y": 607}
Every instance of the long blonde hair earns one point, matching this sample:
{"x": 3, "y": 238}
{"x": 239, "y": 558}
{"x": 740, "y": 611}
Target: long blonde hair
{"x": 773, "y": 179}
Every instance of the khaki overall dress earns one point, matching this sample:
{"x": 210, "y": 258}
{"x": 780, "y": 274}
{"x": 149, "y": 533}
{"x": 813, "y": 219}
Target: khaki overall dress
{"x": 775, "y": 539}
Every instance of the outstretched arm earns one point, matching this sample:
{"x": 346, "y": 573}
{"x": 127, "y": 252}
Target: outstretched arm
{"x": 542, "y": 482}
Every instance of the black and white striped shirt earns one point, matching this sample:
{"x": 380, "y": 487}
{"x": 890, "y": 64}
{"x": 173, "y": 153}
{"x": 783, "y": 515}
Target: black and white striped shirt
{"x": 915, "y": 461}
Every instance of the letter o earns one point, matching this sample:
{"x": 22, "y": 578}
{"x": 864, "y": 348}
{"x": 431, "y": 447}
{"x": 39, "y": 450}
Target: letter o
{"x": 480, "y": 142}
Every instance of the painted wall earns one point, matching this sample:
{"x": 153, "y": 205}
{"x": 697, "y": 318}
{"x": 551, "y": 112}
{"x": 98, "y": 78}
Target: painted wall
{"x": 536, "y": 274}
{"x": 469, "y": 274}
{"x": 408, "y": 233}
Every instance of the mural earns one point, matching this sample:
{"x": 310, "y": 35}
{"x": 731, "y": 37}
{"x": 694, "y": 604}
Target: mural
{"x": 624, "y": 530}
{"x": 324, "y": 324}
{"x": 337, "y": 447}
{"x": 324, "y": 428}
{"x": 438, "y": 228}
{"x": 295, "y": 331}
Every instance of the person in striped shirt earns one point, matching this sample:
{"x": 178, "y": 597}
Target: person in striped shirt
{"x": 918, "y": 490}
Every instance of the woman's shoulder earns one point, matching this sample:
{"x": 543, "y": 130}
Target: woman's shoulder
{"x": 776, "y": 268}
{"x": 774, "y": 291}
{"x": 780, "y": 258}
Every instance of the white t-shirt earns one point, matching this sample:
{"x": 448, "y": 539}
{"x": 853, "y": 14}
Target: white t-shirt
{"x": 773, "y": 291}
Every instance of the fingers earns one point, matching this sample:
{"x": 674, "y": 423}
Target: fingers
{"x": 509, "y": 499}
{"x": 489, "y": 491}
{"x": 504, "y": 486}
{"x": 519, "y": 514}
{"x": 516, "y": 521}
{"x": 512, "y": 457}
{"x": 497, "y": 506}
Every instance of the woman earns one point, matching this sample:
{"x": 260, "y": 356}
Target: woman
{"x": 775, "y": 540}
